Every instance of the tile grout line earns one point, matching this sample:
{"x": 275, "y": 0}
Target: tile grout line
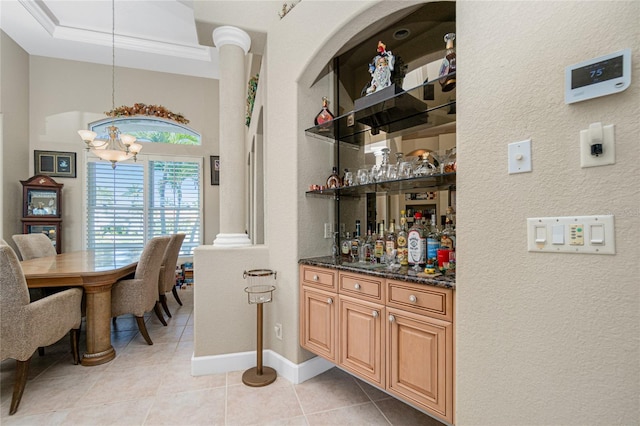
{"x": 226, "y": 396}
{"x": 372, "y": 401}
{"x": 304, "y": 414}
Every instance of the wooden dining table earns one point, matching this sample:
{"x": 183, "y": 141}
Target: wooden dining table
{"x": 95, "y": 272}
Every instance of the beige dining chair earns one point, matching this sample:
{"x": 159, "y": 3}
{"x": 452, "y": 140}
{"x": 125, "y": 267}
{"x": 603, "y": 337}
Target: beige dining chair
{"x": 167, "y": 278}
{"x": 32, "y": 246}
{"x": 140, "y": 294}
{"x": 26, "y": 326}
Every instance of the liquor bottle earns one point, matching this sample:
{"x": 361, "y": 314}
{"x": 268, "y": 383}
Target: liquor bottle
{"x": 448, "y": 65}
{"x": 417, "y": 243}
{"x": 366, "y": 250}
{"x": 355, "y": 244}
{"x": 391, "y": 242}
{"x": 433, "y": 240}
{"x": 324, "y": 116}
{"x": 345, "y": 246}
{"x": 334, "y": 181}
{"x": 379, "y": 244}
{"x": 401, "y": 240}
{"x": 448, "y": 238}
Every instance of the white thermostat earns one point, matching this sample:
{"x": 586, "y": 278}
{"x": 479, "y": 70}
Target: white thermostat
{"x": 597, "y": 77}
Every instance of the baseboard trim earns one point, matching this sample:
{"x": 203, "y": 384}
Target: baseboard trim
{"x": 295, "y": 373}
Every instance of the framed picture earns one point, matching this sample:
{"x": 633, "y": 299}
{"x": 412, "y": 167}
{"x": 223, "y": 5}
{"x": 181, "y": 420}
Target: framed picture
{"x": 215, "y": 170}
{"x": 55, "y": 163}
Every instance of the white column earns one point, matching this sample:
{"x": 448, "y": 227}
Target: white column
{"x": 233, "y": 44}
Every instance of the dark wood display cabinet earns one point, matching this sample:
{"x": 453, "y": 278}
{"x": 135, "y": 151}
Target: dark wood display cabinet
{"x": 42, "y": 208}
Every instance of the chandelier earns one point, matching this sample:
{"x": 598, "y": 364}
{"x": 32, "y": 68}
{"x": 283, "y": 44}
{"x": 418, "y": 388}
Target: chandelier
{"x": 114, "y": 146}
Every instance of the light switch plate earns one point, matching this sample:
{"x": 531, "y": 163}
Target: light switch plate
{"x": 580, "y": 234}
{"x": 520, "y": 157}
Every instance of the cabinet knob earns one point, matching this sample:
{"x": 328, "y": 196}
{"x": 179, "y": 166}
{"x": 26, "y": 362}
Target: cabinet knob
{"x": 356, "y": 286}
{"x": 392, "y": 318}
{"x": 329, "y": 301}
{"x": 316, "y": 278}
{"x": 374, "y": 314}
{"x": 412, "y": 299}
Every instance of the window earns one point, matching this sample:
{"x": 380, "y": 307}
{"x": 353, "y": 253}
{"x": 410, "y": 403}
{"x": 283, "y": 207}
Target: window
{"x": 136, "y": 201}
{"x": 174, "y": 200}
{"x": 147, "y": 129}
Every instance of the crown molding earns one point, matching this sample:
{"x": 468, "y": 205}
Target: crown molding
{"x": 48, "y": 21}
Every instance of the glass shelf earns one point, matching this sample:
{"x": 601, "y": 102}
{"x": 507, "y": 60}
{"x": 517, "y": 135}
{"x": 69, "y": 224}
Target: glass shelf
{"x": 390, "y": 110}
{"x": 436, "y": 182}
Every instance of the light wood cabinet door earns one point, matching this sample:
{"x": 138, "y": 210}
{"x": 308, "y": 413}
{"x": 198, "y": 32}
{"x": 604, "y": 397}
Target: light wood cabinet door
{"x": 318, "y": 322}
{"x": 420, "y": 361}
{"x": 362, "y": 339}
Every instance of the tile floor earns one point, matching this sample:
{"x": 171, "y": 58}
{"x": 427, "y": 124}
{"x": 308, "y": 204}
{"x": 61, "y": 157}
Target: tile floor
{"x": 152, "y": 385}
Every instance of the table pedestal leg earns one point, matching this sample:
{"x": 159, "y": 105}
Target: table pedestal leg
{"x": 99, "y": 349}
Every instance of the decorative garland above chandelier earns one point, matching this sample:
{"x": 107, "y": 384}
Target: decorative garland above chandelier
{"x": 149, "y": 110}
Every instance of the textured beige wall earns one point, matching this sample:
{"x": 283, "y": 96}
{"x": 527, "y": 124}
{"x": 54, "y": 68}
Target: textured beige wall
{"x": 66, "y": 95}
{"x": 298, "y": 48}
{"x": 544, "y": 338}
{"x": 225, "y": 323}
{"x": 14, "y": 106}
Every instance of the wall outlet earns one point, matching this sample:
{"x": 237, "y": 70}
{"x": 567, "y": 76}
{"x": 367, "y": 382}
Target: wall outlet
{"x": 278, "y": 330}
{"x": 327, "y": 230}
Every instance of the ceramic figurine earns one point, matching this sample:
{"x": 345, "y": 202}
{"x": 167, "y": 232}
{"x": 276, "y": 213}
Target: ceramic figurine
{"x": 380, "y": 69}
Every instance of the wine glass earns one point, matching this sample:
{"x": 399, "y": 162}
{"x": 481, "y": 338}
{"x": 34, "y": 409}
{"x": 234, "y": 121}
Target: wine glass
{"x": 441, "y": 158}
{"x": 335, "y": 251}
{"x": 392, "y": 259}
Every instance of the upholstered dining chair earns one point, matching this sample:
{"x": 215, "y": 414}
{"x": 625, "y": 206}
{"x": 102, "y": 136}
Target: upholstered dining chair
{"x": 32, "y": 246}
{"x": 167, "y": 278}
{"x": 26, "y": 326}
{"x": 140, "y": 294}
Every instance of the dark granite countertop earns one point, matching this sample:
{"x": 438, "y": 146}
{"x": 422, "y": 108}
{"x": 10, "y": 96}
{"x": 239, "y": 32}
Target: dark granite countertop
{"x": 403, "y": 274}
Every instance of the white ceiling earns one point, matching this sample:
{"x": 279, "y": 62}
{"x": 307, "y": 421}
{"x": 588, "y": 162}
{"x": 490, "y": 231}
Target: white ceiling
{"x": 158, "y": 35}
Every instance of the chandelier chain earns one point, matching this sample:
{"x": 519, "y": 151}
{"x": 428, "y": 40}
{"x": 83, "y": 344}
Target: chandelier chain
{"x": 118, "y": 146}
{"x": 113, "y": 54}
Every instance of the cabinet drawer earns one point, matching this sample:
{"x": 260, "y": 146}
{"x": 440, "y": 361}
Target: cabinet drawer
{"x": 422, "y": 299}
{"x": 321, "y": 278}
{"x": 361, "y": 286}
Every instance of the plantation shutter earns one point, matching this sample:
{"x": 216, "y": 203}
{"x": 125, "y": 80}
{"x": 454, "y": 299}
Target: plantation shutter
{"x": 115, "y": 208}
{"x": 174, "y": 201}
